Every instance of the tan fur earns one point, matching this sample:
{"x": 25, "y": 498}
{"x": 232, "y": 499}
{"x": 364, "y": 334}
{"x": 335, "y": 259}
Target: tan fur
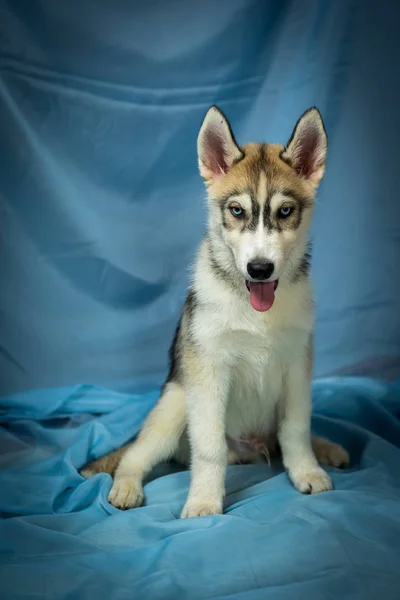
{"x": 280, "y": 174}
{"x": 106, "y": 464}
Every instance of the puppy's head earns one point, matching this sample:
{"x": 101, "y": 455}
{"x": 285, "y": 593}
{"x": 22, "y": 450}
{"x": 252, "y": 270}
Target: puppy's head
{"x": 261, "y": 198}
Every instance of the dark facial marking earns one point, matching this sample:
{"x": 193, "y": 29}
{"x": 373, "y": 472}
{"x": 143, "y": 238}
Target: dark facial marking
{"x": 274, "y": 221}
{"x": 255, "y": 214}
{"x": 303, "y": 201}
{"x": 246, "y": 221}
{"x": 223, "y": 208}
{"x": 293, "y": 220}
{"x": 303, "y": 269}
{"x": 260, "y": 163}
{"x": 218, "y": 271}
{"x": 268, "y": 222}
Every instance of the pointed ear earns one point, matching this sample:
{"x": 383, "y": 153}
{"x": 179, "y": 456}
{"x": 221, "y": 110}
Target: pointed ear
{"x": 306, "y": 149}
{"x": 217, "y": 149}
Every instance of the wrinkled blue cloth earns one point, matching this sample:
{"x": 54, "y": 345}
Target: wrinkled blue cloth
{"x": 101, "y": 203}
{"x": 59, "y": 537}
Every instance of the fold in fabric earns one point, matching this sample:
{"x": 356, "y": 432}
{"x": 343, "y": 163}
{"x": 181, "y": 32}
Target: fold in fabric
{"x": 59, "y": 537}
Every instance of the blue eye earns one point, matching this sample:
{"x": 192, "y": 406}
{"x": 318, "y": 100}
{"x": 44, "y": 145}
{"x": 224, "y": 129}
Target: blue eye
{"x": 285, "y": 211}
{"x": 237, "y": 211}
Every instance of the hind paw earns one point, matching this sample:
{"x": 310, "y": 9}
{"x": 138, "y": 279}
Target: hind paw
{"x": 87, "y": 471}
{"x": 329, "y": 454}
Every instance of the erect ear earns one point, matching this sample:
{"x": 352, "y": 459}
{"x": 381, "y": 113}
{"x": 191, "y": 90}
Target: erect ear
{"x": 306, "y": 149}
{"x": 217, "y": 149}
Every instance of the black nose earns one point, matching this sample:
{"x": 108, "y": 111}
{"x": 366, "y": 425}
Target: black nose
{"x": 260, "y": 270}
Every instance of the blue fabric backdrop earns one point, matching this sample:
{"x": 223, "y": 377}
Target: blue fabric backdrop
{"x": 101, "y": 206}
{"x": 101, "y": 211}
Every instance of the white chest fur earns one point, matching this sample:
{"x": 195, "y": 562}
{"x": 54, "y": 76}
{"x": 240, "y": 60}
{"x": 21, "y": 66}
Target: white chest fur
{"x": 255, "y": 386}
{"x": 257, "y": 347}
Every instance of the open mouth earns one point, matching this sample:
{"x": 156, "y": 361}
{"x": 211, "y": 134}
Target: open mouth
{"x": 262, "y": 294}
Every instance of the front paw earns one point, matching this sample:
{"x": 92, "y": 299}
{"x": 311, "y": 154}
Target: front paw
{"x": 311, "y": 480}
{"x": 201, "y": 508}
{"x": 126, "y": 493}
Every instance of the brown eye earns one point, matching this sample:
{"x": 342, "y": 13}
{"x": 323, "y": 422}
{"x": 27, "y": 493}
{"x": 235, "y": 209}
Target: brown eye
{"x": 285, "y": 211}
{"x": 237, "y": 211}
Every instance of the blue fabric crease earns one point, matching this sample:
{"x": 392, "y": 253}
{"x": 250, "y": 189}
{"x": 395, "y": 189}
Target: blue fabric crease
{"x": 60, "y": 537}
{"x": 101, "y": 203}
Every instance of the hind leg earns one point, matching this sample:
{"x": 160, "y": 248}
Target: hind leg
{"x": 329, "y": 454}
{"x": 105, "y": 464}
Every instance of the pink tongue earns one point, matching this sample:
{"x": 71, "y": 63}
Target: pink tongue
{"x": 262, "y": 295}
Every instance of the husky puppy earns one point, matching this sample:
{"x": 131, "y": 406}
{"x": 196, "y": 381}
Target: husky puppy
{"x": 239, "y": 383}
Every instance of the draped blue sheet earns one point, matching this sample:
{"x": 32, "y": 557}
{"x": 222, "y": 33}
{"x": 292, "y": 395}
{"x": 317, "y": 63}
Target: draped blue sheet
{"x": 59, "y": 537}
{"x": 101, "y": 211}
{"x": 101, "y": 204}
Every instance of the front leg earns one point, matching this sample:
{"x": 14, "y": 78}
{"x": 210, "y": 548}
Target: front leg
{"x": 206, "y": 389}
{"x": 295, "y": 434}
